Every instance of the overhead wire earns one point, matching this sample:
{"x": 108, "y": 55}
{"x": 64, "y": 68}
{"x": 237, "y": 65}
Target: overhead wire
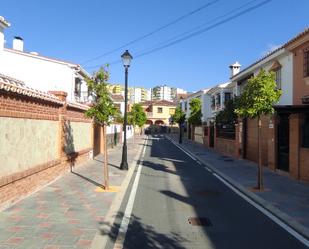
{"x": 153, "y": 31}
{"x": 192, "y": 33}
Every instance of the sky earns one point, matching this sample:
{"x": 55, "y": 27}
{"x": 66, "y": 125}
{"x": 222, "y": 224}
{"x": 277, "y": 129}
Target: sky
{"x": 79, "y": 31}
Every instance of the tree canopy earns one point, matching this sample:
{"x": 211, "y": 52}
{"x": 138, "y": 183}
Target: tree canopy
{"x": 227, "y": 116}
{"x": 103, "y": 110}
{"x": 137, "y": 116}
{"x": 179, "y": 116}
{"x": 259, "y": 96}
{"x": 196, "y": 112}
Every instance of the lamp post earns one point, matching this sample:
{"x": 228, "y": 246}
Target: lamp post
{"x": 126, "y": 59}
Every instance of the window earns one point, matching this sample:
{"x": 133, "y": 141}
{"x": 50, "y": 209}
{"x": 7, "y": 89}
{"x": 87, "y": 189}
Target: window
{"x": 306, "y": 62}
{"x": 278, "y": 78}
{"x": 77, "y": 89}
{"x": 213, "y": 102}
{"x": 160, "y": 109}
{"x": 227, "y": 97}
{"x": 305, "y": 132}
{"x": 218, "y": 99}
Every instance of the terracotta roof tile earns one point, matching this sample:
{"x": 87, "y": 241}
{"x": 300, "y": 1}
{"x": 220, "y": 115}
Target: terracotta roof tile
{"x": 158, "y": 102}
{"x": 9, "y": 84}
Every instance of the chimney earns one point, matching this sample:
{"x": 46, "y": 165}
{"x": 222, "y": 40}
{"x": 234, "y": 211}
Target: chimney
{"x": 18, "y": 43}
{"x": 235, "y": 68}
{"x": 3, "y": 25}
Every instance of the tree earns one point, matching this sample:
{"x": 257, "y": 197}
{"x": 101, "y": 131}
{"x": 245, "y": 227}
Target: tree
{"x": 103, "y": 110}
{"x": 227, "y": 116}
{"x": 195, "y": 112}
{"x": 179, "y": 117}
{"x": 137, "y": 116}
{"x": 257, "y": 99}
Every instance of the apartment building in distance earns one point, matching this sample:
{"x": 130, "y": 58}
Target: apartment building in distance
{"x": 164, "y": 92}
{"x": 138, "y": 94}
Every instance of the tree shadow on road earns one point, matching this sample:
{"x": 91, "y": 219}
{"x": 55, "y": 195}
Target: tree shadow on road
{"x": 140, "y": 235}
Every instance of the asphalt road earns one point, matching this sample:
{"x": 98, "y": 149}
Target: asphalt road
{"x": 174, "y": 188}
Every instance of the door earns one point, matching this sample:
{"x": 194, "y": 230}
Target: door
{"x": 283, "y": 142}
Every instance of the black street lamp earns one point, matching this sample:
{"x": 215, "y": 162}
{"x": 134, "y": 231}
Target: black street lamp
{"x": 126, "y": 60}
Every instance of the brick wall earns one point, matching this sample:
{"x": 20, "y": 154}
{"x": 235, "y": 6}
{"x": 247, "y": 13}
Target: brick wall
{"x": 226, "y": 146}
{"x": 33, "y": 149}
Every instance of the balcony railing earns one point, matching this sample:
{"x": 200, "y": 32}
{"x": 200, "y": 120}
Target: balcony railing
{"x": 83, "y": 97}
{"x": 149, "y": 114}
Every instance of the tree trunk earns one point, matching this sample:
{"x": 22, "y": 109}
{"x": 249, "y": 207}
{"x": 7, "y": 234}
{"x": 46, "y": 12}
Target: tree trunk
{"x": 105, "y": 169}
{"x": 260, "y": 167}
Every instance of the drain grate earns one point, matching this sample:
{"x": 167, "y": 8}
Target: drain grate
{"x": 199, "y": 221}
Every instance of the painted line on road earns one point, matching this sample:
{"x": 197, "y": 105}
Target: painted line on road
{"x": 279, "y": 222}
{"x": 265, "y": 212}
{"x": 187, "y": 153}
{"x": 128, "y": 211}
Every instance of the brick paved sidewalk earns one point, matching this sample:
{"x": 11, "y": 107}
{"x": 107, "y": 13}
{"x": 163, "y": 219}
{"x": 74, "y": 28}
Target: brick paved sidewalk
{"x": 68, "y": 212}
{"x": 288, "y": 198}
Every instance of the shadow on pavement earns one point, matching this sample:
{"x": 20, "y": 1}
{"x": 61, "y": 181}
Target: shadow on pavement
{"x": 144, "y": 236}
{"x": 88, "y": 179}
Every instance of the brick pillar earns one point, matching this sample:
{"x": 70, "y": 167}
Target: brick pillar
{"x": 215, "y": 136}
{"x": 61, "y": 126}
{"x": 272, "y": 142}
{"x": 237, "y": 140}
{"x": 294, "y": 144}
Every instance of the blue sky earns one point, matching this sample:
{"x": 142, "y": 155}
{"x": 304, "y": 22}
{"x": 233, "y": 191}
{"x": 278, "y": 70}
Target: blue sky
{"x": 77, "y": 31}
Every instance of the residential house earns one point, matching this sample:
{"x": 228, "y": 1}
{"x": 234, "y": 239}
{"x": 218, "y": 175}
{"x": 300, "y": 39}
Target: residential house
{"x": 118, "y": 101}
{"x": 284, "y": 136}
{"x": 159, "y": 112}
{"x": 41, "y": 72}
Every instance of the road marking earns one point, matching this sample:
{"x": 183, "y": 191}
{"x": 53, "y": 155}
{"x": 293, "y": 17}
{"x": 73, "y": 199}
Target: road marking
{"x": 286, "y": 227}
{"x": 265, "y": 212}
{"x": 208, "y": 169}
{"x": 127, "y": 214}
{"x": 199, "y": 162}
{"x": 187, "y": 153}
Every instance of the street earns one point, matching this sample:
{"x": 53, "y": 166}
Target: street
{"x": 174, "y": 191}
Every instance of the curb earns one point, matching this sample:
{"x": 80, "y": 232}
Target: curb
{"x": 283, "y": 217}
{"x": 101, "y": 238}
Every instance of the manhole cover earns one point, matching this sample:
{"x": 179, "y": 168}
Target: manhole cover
{"x": 207, "y": 193}
{"x": 199, "y": 221}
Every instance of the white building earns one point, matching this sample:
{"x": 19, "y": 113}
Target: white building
{"x": 279, "y": 61}
{"x": 41, "y": 72}
{"x": 185, "y": 103}
{"x": 165, "y": 92}
{"x": 138, "y": 94}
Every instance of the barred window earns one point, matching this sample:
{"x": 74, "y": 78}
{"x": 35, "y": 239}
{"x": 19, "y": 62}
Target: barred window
{"x": 306, "y": 62}
{"x": 278, "y": 78}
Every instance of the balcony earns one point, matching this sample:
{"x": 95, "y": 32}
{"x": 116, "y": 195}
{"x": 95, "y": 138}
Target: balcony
{"x": 149, "y": 114}
{"x": 83, "y": 97}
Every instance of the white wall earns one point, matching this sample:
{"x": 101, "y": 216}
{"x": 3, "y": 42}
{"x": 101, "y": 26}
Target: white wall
{"x": 286, "y": 62}
{"x": 206, "y": 108}
{"x": 39, "y": 73}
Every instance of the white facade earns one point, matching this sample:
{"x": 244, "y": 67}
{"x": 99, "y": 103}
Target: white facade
{"x": 281, "y": 57}
{"x": 185, "y": 103}
{"x": 216, "y": 98}
{"x": 41, "y": 72}
{"x": 163, "y": 92}
{"x": 138, "y": 94}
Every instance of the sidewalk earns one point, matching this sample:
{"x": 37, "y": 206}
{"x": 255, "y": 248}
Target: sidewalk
{"x": 68, "y": 212}
{"x": 286, "y": 198}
